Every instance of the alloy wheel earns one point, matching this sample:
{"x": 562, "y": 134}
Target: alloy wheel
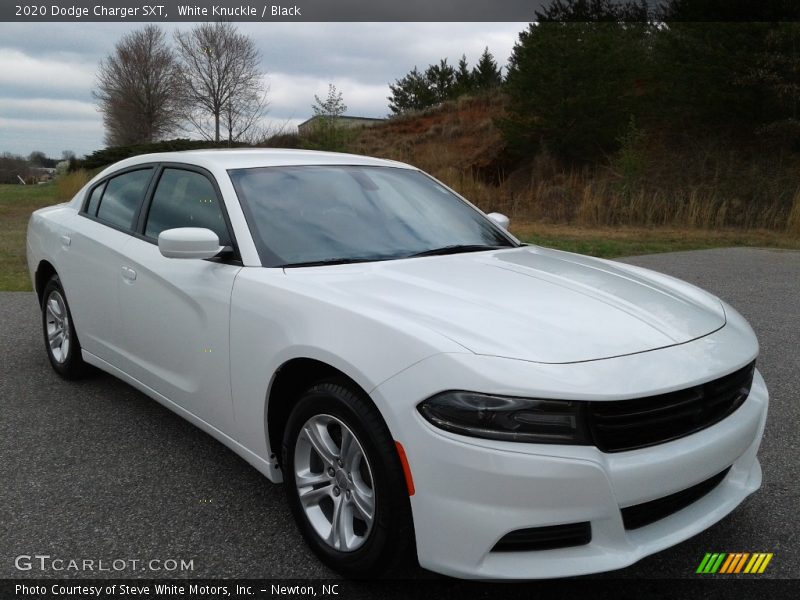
{"x": 334, "y": 482}
{"x": 57, "y": 323}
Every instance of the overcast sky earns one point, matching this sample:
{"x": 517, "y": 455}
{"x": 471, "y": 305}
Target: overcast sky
{"x": 47, "y": 70}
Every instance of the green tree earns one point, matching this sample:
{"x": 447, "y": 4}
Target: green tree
{"x": 464, "y": 83}
{"x": 328, "y": 133}
{"x": 704, "y": 74}
{"x": 777, "y": 73}
{"x": 331, "y": 107}
{"x": 441, "y": 80}
{"x": 412, "y": 92}
{"x": 722, "y": 73}
{"x": 573, "y": 86}
{"x": 486, "y": 75}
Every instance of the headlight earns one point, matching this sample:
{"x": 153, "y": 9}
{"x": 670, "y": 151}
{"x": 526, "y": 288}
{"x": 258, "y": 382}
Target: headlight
{"x": 506, "y": 418}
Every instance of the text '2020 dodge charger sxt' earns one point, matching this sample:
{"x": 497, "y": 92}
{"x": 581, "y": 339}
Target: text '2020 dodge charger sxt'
{"x": 425, "y": 386}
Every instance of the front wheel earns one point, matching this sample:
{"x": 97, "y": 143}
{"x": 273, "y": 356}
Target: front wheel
{"x": 345, "y": 484}
{"x": 61, "y": 341}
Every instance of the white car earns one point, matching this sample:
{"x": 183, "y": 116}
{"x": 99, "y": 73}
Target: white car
{"x": 426, "y": 386}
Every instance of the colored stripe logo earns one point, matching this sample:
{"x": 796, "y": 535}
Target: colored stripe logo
{"x": 734, "y": 562}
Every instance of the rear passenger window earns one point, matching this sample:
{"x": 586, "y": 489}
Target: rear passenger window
{"x": 94, "y": 200}
{"x": 185, "y": 199}
{"x": 122, "y": 197}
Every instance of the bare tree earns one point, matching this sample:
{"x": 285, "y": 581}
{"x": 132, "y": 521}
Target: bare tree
{"x": 223, "y": 81}
{"x": 37, "y": 158}
{"x": 243, "y": 113}
{"x": 13, "y": 168}
{"x": 139, "y": 89}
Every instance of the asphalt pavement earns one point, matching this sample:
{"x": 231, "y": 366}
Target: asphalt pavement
{"x": 96, "y": 470}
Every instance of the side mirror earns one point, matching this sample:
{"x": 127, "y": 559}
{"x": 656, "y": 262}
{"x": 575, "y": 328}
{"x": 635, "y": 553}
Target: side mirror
{"x": 188, "y": 242}
{"x": 499, "y": 219}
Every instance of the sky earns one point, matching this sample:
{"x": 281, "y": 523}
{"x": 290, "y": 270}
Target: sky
{"x": 47, "y": 71}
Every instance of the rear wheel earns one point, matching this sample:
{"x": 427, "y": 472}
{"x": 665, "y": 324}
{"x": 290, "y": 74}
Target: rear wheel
{"x": 345, "y": 484}
{"x": 61, "y": 341}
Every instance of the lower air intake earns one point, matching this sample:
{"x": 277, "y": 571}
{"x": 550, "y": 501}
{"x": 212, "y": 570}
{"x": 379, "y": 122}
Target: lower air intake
{"x": 545, "y": 538}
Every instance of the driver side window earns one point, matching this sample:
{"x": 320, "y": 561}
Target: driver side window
{"x": 185, "y": 199}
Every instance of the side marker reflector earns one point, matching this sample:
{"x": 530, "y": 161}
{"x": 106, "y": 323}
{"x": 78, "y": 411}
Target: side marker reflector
{"x": 406, "y": 469}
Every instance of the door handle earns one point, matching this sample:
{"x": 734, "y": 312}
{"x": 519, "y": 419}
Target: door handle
{"x": 129, "y": 273}
{"x": 66, "y": 240}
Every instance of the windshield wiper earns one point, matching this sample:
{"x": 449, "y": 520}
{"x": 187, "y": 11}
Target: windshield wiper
{"x": 456, "y": 249}
{"x": 329, "y": 261}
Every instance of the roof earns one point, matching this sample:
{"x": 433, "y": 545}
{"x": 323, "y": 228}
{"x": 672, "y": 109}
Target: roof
{"x": 248, "y": 158}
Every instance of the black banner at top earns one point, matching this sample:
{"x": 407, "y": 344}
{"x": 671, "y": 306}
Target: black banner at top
{"x": 268, "y": 10}
{"x": 391, "y": 10}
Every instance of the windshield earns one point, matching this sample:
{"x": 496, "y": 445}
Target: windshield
{"x": 307, "y": 215}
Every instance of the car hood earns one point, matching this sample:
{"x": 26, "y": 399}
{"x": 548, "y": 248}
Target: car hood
{"x": 529, "y": 303}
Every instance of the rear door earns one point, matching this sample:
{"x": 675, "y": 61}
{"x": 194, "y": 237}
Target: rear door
{"x": 175, "y": 313}
{"x": 94, "y": 256}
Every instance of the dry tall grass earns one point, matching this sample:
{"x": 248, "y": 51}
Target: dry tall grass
{"x": 595, "y": 201}
{"x": 793, "y": 221}
{"x": 583, "y": 199}
{"x": 69, "y": 184}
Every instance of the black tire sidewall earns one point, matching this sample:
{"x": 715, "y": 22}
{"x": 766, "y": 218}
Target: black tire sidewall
{"x": 73, "y": 367}
{"x": 387, "y": 546}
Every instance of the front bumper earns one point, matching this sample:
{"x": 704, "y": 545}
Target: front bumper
{"x": 471, "y": 492}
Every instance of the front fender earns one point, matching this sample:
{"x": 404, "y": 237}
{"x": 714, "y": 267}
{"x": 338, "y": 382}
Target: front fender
{"x": 275, "y": 319}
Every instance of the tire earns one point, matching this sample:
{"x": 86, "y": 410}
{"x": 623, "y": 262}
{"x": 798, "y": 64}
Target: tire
{"x": 359, "y": 547}
{"x": 60, "y": 338}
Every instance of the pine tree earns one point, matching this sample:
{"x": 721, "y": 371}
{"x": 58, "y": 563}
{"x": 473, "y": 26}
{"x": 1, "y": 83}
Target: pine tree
{"x": 464, "y": 82}
{"x": 412, "y": 92}
{"x": 571, "y": 87}
{"x": 486, "y": 75}
{"x": 441, "y": 80}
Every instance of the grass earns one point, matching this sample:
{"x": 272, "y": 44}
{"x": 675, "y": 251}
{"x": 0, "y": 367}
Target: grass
{"x": 17, "y": 202}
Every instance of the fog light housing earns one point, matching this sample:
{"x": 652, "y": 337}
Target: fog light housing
{"x": 545, "y": 538}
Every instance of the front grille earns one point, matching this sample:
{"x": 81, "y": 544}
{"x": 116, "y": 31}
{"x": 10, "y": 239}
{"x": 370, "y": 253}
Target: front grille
{"x": 545, "y": 538}
{"x": 640, "y": 515}
{"x": 630, "y": 424}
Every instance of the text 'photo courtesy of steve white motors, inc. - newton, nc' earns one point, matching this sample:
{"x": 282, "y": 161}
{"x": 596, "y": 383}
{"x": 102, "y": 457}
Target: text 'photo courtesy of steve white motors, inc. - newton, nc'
{"x": 176, "y": 590}
{"x": 159, "y": 11}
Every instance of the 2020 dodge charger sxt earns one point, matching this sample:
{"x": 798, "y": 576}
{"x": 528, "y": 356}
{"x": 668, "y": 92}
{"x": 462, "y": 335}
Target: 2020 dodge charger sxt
{"x": 422, "y": 383}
